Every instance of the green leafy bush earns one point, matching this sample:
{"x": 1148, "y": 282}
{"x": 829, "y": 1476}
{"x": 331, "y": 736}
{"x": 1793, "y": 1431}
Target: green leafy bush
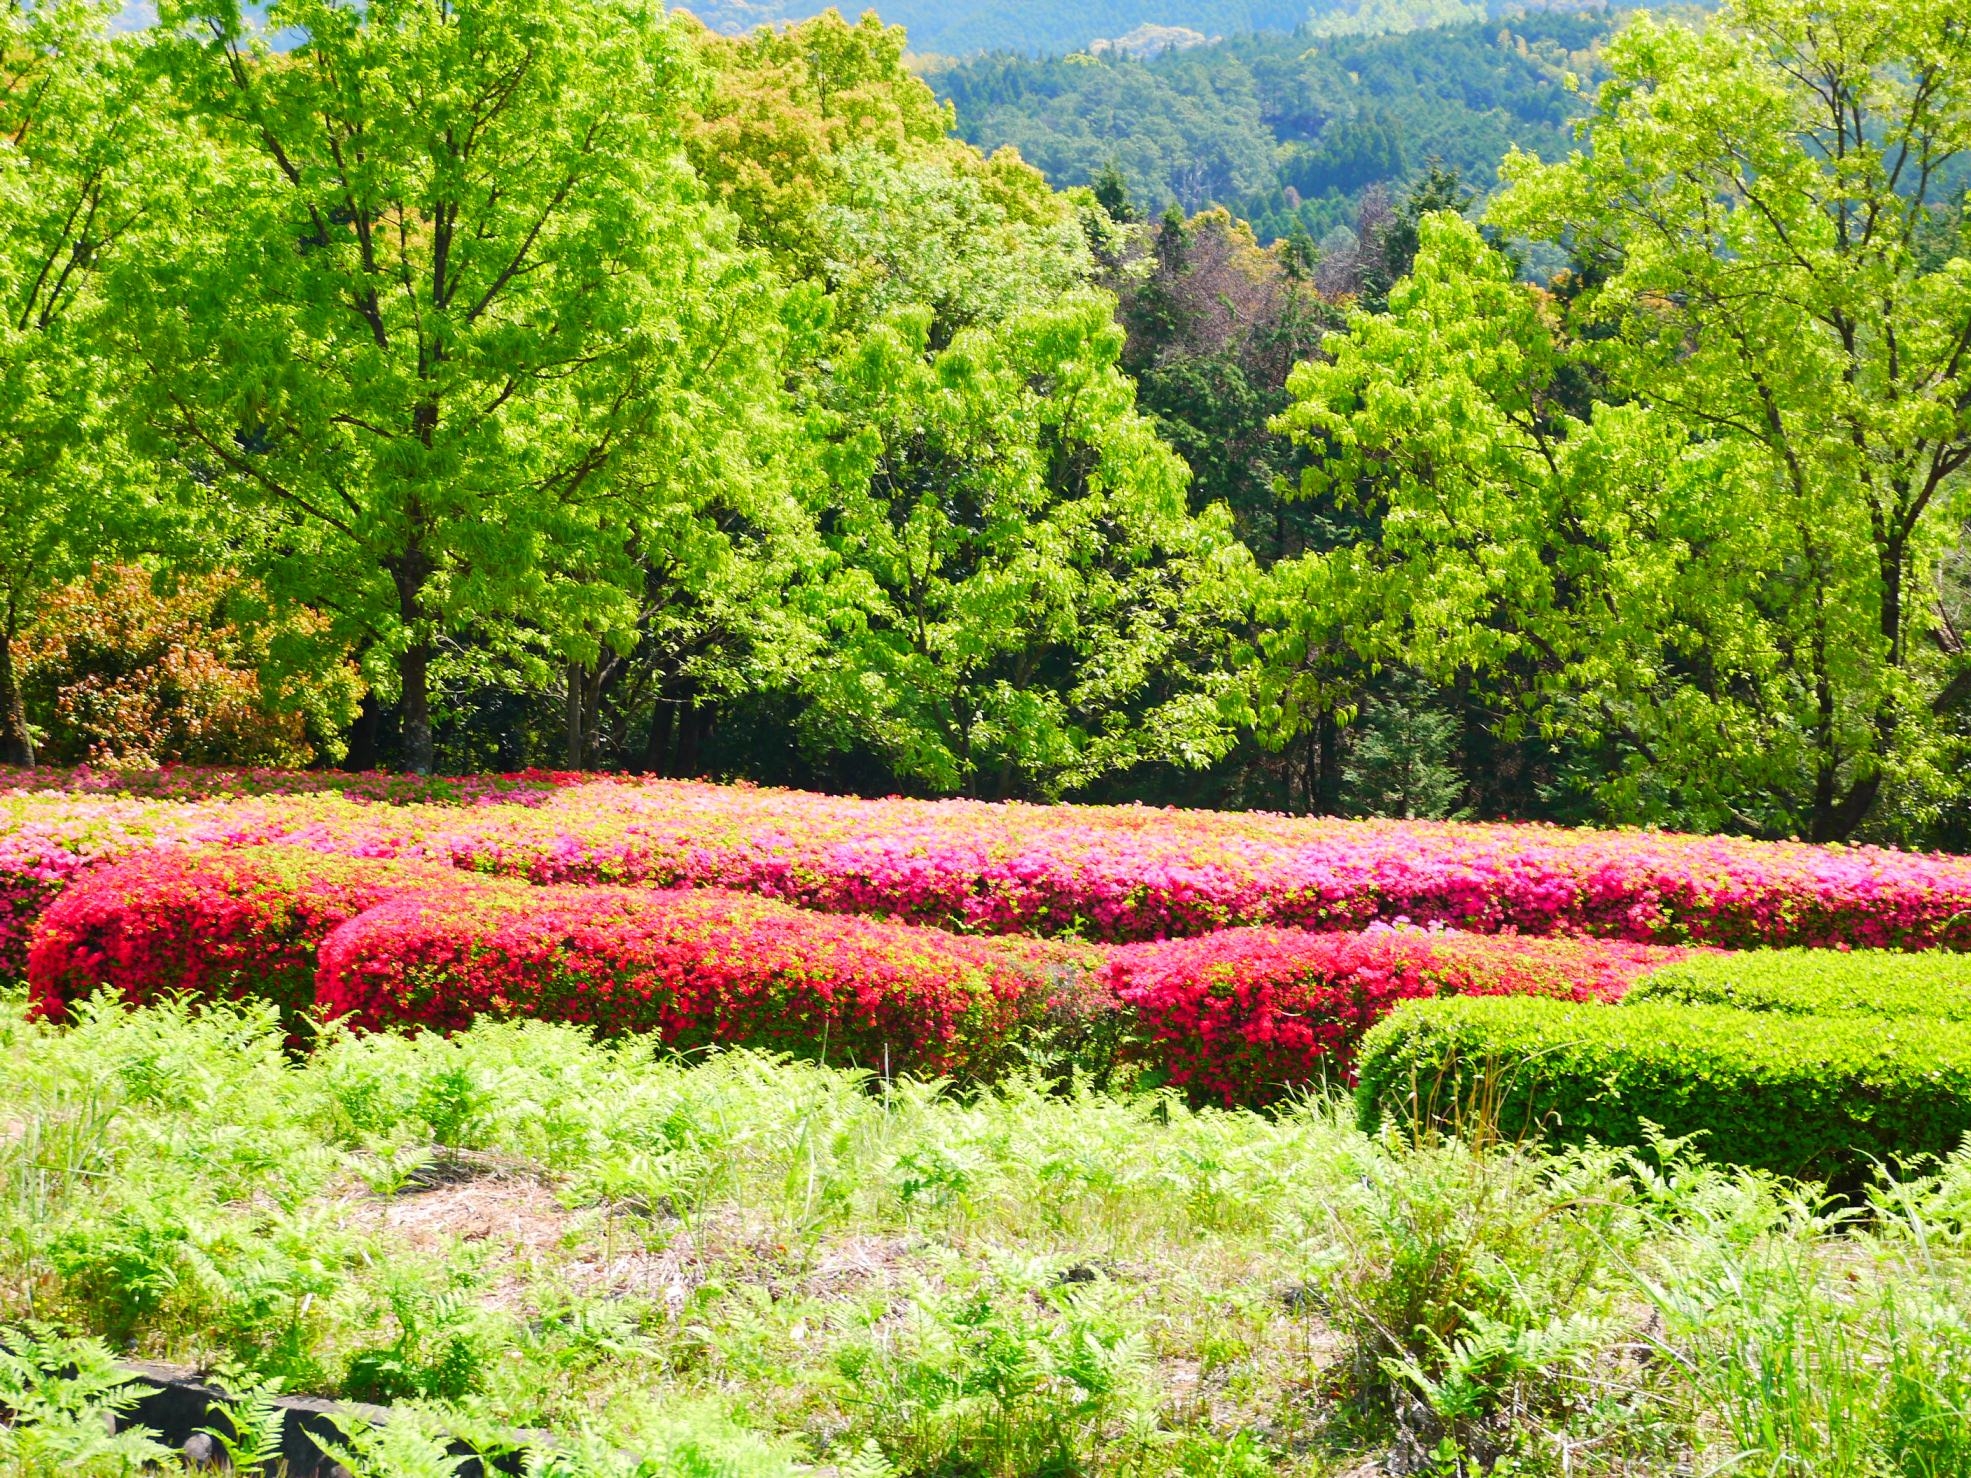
{"x": 1818, "y": 982}
{"x": 1824, "y": 1097}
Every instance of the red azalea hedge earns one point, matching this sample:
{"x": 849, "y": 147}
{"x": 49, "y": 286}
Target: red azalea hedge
{"x": 1240, "y": 1016}
{"x": 1247, "y": 1015}
{"x": 214, "y": 925}
{"x": 693, "y": 967}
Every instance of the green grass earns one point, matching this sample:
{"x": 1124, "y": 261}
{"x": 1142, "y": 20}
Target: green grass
{"x": 736, "y": 1267}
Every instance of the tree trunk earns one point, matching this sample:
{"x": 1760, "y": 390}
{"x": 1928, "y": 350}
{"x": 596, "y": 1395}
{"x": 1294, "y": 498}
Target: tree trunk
{"x": 657, "y": 744}
{"x": 16, "y": 743}
{"x": 573, "y": 712}
{"x": 414, "y": 673}
{"x": 689, "y": 734}
{"x": 692, "y": 727}
{"x": 363, "y": 736}
{"x": 1835, "y": 819}
{"x": 409, "y": 573}
{"x": 1326, "y": 797}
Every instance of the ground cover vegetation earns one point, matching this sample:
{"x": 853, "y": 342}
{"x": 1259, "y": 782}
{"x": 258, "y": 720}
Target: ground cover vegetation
{"x": 738, "y": 1265}
{"x": 471, "y": 389}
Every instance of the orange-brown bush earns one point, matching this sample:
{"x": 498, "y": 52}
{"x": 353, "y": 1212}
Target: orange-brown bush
{"x": 121, "y": 670}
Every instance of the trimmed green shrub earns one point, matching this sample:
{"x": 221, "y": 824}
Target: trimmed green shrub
{"x": 1818, "y": 982}
{"x": 1810, "y": 1096}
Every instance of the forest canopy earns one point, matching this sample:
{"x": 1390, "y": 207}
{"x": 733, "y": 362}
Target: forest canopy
{"x": 508, "y": 382}
{"x": 1051, "y": 27}
{"x": 1289, "y": 130}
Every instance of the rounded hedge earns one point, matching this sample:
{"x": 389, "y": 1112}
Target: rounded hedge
{"x": 1813, "y": 1096}
{"x": 693, "y": 967}
{"x": 1819, "y": 982}
{"x": 212, "y": 925}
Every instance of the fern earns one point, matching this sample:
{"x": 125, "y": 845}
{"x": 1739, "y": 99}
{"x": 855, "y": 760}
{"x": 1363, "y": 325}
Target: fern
{"x": 63, "y": 1395}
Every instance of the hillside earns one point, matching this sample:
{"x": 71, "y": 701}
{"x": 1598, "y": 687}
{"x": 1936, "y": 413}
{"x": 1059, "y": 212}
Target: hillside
{"x": 1288, "y": 130}
{"x": 962, "y": 28}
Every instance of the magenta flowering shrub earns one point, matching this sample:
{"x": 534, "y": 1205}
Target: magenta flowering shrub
{"x": 693, "y": 967}
{"x": 211, "y": 925}
{"x": 1246, "y": 1016}
{"x": 1129, "y": 873}
{"x": 1103, "y": 873}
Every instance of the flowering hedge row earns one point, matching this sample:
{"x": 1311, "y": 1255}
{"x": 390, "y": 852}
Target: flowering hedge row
{"x": 390, "y": 943}
{"x": 691, "y": 966}
{"x": 218, "y": 925}
{"x": 1248, "y": 1015}
{"x": 1240, "y": 1016}
{"x": 1108, "y": 873}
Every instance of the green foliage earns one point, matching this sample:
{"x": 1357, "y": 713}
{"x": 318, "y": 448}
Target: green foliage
{"x": 62, "y": 1398}
{"x": 86, "y": 163}
{"x": 1855, "y": 1382}
{"x": 908, "y": 1282}
{"x": 1681, "y": 512}
{"x": 440, "y": 1349}
{"x": 1818, "y": 982}
{"x": 1835, "y": 385}
{"x": 1021, "y": 1374}
{"x": 1829, "y": 1097}
{"x": 447, "y": 266}
{"x": 1399, "y": 757}
{"x": 1464, "y": 1297}
{"x": 1025, "y": 584}
{"x": 250, "y": 1427}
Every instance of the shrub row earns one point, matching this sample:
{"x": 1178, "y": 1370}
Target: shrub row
{"x": 1818, "y": 982}
{"x": 1243, "y": 1016}
{"x": 1247, "y": 1016}
{"x": 1817, "y": 1096}
{"x": 386, "y": 943}
{"x": 215, "y": 925}
{"x": 1116, "y": 874}
{"x": 691, "y": 966}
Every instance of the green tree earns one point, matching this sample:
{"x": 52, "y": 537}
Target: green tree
{"x": 82, "y": 165}
{"x": 450, "y": 266}
{"x": 1009, "y": 561}
{"x": 1691, "y": 512}
{"x": 1032, "y": 606}
{"x": 782, "y": 104}
{"x": 728, "y": 601}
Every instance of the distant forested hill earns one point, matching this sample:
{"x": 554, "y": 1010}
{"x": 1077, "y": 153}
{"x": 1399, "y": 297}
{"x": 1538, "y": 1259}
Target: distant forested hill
{"x": 1289, "y": 130}
{"x": 962, "y": 28}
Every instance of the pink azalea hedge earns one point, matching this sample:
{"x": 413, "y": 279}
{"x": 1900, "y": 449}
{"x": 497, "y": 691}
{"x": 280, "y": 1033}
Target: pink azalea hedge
{"x": 1107, "y": 873}
{"x": 212, "y": 925}
{"x": 1240, "y": 1016}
